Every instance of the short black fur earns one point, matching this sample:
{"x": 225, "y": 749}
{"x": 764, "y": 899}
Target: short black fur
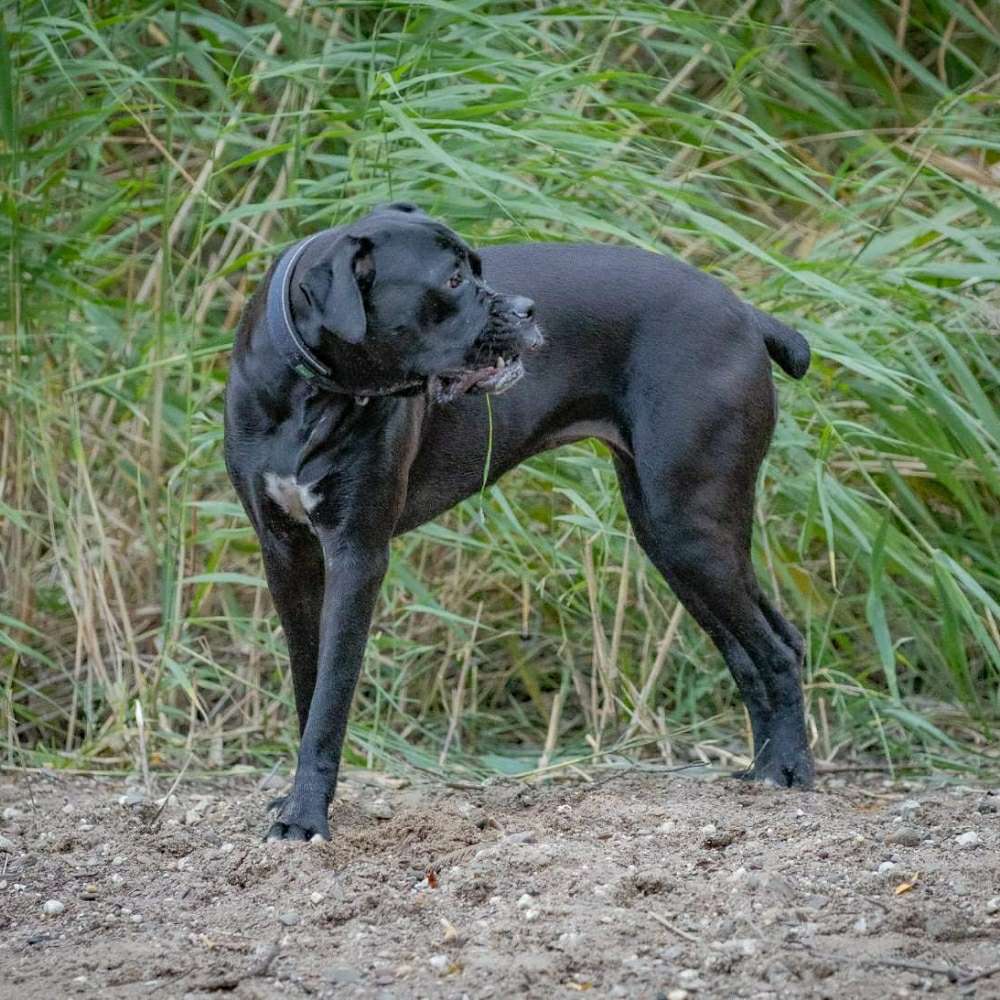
{"x": 655, "y": 358}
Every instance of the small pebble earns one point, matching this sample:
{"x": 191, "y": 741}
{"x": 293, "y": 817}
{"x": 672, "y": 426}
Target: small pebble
{"x": 947, "y": 927}
{"x": 377, "y": 809}
{"x": 439, "y": 962}
{"x": 905, "y": 836}
{"x": 993, "y": 905}
{"x": 89, "y": 891}
{"x": 968, "y": 839}
{"x": 11, "y": 813}
{"x": 342, "y": 975}
{"x": 7, "y": 845}
{"x": 677, "y": 994}
{"x": 909, "y": 808}
{"x": 52, "y": 907}
{"x": 524, "y": 901}
{"x": 530, "y": 916}
{"x": 885, "y": 867}
{"x": 289, "y": 919}
{"x": 521, "y": 837}
{"x": 316, "y": 897}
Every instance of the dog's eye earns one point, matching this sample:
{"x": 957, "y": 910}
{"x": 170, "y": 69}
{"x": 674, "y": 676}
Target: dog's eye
{"x": 455, "y": 280}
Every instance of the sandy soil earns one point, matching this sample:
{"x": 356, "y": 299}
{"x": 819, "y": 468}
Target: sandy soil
{"x": 646, "y": 885}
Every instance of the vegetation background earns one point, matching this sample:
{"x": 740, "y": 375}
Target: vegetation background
{"x": 835, "y": 161}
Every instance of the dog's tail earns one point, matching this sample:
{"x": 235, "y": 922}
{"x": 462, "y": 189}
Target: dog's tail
{"x": 786, "y": 346}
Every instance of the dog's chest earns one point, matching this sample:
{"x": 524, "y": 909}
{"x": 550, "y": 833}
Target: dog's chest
{"x": 296, "y": 501}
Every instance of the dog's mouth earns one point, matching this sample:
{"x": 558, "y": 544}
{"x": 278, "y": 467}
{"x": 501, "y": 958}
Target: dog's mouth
{"x": 494, "y": 379}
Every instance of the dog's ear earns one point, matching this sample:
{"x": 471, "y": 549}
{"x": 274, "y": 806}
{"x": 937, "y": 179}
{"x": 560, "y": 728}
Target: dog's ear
{"x": 331, "y": 288}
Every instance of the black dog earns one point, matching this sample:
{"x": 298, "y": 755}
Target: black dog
{"x": 351, "y": 417}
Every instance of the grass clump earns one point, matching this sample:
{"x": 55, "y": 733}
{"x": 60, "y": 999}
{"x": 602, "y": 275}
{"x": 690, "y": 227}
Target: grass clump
{"x": 837, "y": 163}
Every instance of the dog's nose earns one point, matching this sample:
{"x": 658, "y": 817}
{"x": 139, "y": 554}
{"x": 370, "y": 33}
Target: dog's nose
{"x": 522, "y": 307}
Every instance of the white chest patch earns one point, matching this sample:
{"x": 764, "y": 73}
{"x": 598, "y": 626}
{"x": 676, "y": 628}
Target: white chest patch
{"x": 296, "y": 501}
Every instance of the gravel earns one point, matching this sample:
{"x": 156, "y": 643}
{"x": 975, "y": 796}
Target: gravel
{"x": 513, "y": 906}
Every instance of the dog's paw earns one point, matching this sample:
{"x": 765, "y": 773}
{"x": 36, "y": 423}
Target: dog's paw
{"x": 785, "y": 771}
{"x": 300, "y": 834}
{"x": 298, "y": 821}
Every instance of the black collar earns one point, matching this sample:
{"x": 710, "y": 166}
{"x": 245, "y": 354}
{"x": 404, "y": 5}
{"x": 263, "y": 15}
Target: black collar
{"x": 289, "y": 344}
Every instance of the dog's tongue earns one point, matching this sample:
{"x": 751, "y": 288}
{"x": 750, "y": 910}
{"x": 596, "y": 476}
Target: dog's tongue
{"x": 477, "y": 375}
{"x": 449, "y": 387}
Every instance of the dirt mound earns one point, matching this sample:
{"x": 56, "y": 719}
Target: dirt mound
{"x": 641, "y": 886}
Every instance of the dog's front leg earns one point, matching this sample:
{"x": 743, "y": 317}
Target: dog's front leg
{"x": 353, "y": 573}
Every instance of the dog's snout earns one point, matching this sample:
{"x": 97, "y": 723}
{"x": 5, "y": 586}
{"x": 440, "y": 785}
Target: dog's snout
{"x": 513, "y": 322}
{"x": 522, "y": 307}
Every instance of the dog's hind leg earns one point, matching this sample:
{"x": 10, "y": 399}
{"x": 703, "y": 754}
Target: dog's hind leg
{"x": 789, "y": 634}
{"x": 692, "y": 515}
{"x": 748, "y": 680}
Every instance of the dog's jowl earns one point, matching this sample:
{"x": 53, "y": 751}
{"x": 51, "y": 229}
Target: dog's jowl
{"x": 352, "y": 415}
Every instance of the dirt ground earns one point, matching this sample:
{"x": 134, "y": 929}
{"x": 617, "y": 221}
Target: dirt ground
{"x": 641, "y": 885}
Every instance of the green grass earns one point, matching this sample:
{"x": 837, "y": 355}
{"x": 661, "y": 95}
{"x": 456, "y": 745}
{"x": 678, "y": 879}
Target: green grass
{"x": 838, "y": 163}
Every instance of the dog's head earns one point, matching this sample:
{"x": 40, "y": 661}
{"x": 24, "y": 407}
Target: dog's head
{"x": 398, "y": 296}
